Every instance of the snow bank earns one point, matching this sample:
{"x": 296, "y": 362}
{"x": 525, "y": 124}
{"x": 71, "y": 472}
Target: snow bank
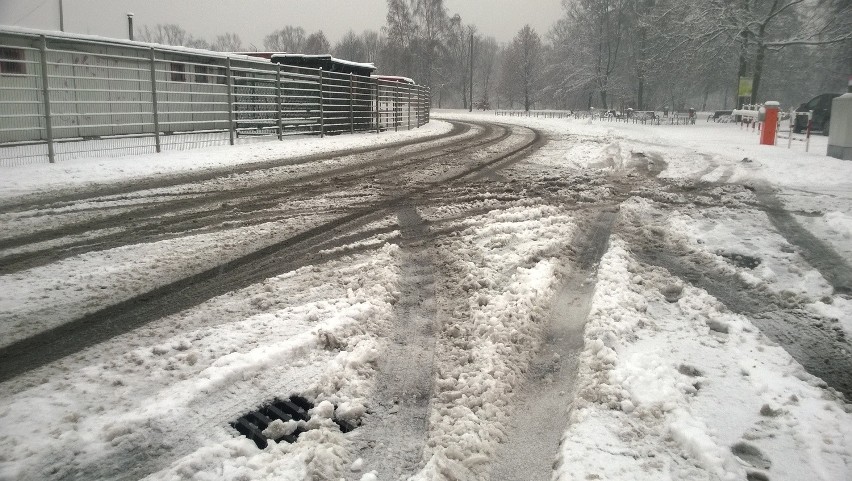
{"x": 665, "y": 395}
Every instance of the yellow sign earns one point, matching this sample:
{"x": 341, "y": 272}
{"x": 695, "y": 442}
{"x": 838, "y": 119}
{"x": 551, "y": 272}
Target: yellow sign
{"x": 745, "y": 87}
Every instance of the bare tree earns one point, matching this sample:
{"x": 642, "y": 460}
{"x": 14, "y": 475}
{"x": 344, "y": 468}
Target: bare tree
{"x": 430, "y": 24}
{"x": 373, "y": 45}
{"x": 169, "y": 34}
{"x": 571, "y": 71}
{"x": 644, "y": 16}
{"x": 509, "y": 79}
{"x": 486, "y": 66}
{"x": 454, "y": 64}
{"x": 350, "y": 47}
{"x": 606, "y": 25}
{"x": 759, "y": 28}
{"x": 288, "y": 39}
{"x": 525, "y": 63}
{"x": 416, "y": 37}
{"x": 400, "y": 38}
{"x": 316, "y": 43}
{"x": 229, "y": 42}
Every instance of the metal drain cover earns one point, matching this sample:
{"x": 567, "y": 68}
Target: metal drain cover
{"x": 295, "y": 408}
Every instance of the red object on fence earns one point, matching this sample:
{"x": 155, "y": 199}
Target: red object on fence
{"x": 770, "y": 123}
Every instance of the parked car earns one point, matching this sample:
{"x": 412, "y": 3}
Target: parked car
{"x": 821, "y": 107}
{"x": 720, "y": 116}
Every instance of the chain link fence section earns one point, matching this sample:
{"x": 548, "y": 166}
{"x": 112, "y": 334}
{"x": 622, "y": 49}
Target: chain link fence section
{"x": 64, "y": 97}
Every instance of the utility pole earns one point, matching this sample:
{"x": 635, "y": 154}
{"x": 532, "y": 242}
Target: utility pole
{"x": 61, "y": 18}
{"x": 470, "y": 86}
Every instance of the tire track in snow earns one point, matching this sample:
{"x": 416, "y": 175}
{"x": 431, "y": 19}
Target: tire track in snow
{"x": 192, "y": 211}
{"x": 393, "y": 433}
{"x": 71, "y": 337}
{"x": 67, "y": 196}
{"x": 540, "y": 411}
{"x": 833, "y": 267}
{"x": 823, "y": 353}
{"x": 219, "y": 210}
{"x": 111, "y": 321}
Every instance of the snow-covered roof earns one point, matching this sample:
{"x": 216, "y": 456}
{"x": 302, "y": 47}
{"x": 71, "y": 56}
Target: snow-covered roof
{"x": 394, "y": 78}
{"x": 367, "y": 65}
{"x": 121, "y": 42}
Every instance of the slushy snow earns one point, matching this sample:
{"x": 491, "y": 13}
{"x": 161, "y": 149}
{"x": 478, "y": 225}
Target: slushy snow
{"x": 671, "y": 383}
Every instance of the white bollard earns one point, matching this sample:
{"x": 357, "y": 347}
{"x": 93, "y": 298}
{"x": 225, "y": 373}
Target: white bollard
{"x": 840, "y": 133}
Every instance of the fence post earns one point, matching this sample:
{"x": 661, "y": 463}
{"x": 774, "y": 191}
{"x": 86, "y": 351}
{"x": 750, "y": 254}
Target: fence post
{"x": 278, "y": 101}
{"x": 154, "y": 107}
{"x": 321, "y": 109}
{"x": 417, "y": 105}
{"x": 421, "y": 99}
{"x": 351, "y": 105}
{"x": 48, "y": 122}
{"x": 229, "y": 82}
{"x": 395, "y": 107}
{"x": 376, "y": 90}
{"x": 428, "y": 104}
{"x": 408, "y": 118}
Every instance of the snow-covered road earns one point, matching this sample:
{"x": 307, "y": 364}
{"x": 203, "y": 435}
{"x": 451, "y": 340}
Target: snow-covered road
{"x": 485, "y": 298}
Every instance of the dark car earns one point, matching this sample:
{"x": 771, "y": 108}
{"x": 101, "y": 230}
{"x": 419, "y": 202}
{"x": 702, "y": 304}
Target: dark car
{"x": 721, "y": 116}
{"x": 821, "y": 107}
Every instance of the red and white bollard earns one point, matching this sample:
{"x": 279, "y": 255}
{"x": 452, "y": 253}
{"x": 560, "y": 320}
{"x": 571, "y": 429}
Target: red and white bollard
{"x": 770, "y": 123}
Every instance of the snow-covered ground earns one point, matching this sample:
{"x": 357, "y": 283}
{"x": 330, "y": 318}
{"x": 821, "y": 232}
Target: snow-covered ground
{"x": 671, "y": 384}
{"x": 33, "y": 179}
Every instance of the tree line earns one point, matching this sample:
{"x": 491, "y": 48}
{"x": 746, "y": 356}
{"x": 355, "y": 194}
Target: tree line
{"x": 609, "y": 54}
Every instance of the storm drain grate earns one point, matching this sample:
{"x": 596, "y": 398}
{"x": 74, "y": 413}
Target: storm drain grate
{"x": 741, "y": 260}
{"x": 295, "y": 408}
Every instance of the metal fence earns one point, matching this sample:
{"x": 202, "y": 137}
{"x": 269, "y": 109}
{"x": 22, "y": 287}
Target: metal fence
{"x": 65, "y": 96}
{"x": 631, "y": 116}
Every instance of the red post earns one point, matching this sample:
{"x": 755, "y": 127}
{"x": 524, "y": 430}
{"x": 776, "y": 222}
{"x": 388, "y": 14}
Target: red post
{"x": 770, "y": 123}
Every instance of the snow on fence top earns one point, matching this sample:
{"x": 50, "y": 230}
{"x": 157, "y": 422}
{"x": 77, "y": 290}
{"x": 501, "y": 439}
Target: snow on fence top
{"x": 394, "y": 78}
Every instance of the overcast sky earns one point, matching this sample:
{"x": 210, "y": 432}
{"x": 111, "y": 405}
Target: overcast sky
{"x": 253, "y": 19}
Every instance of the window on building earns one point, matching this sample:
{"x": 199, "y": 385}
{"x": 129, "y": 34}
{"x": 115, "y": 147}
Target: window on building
{"x": 201, "y": 74}
{"x": 178, "y": 71}
{"x": 12, "y": 61}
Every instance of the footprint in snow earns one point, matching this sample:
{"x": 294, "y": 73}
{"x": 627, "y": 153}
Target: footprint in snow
{"x": 750, "y": 455}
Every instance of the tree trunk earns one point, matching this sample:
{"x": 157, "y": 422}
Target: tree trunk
{"x": 743, "y": 62}
{"x": 603, "y": 99}
{"x": 758, "y": 71}
{"x": 470, "y": 88}
{"x": 741, "y": 72}
{"x": 464, "y": 93}
{"x": 640, "y": 65}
